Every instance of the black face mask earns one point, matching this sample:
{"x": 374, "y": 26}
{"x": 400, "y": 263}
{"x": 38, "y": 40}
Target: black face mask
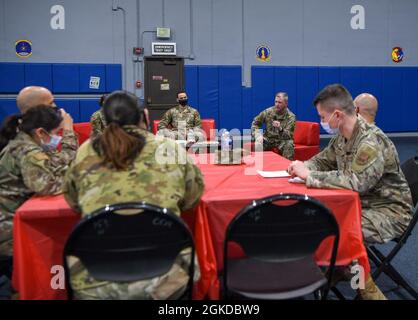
{"x": 183, "y": 102}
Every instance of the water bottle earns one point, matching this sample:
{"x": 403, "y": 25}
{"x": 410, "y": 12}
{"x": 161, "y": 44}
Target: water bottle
{"x": 191, "y": 136}
{"x": 226, "y": 141}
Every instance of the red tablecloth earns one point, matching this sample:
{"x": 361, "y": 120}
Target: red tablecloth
{"x": 229, "y": 190}
{"x": 42, "y": 225}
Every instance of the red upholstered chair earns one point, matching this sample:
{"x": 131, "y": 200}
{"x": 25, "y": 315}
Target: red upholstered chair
{"x": 208, "y": 126}
{"x": 306, "y": 140}
{"x": 83, "y": 129}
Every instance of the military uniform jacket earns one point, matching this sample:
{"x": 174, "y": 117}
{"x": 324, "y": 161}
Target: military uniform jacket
{"x": 367, "y": 163}
{"x": 98, "y": 123}
{"x": 91, "y": 185}
{"x": 287, "y": 124}
{"x": 26, "y": 169}
{"x": 176, "y": 184}
{"x": 185, "y": 114}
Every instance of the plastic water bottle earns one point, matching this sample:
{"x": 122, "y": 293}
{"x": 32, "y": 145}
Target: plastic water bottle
{"x": 226, "y": 141}
{"x": 191, "y": 136}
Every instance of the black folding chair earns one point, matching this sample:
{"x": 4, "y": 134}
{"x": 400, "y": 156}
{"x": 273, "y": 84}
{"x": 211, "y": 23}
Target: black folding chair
{"x": 383, "y": 262}
{"x": 279, "y": 236}
{"x": 116, "y": 245}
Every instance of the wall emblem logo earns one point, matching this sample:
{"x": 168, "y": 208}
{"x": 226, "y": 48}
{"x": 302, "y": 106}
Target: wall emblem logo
{"x": 23, "y": 48}
{"x": 397, "y": 54}
{"x": 263, "y": 53}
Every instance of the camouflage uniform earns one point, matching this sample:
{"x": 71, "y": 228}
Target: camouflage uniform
{"x": 367, "y": 163}
{"x": 177, "y": 122}
{"x": 98, "y": 123}
{"x": 91, "y": 185}
{"x": 25, "y": 170}
{"x": 281, "y": 138}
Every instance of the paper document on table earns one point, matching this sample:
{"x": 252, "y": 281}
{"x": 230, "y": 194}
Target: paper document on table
{"x": 296, "y": 180}
{"x": 273, "y": 174}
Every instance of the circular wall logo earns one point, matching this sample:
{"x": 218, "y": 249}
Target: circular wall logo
{"x": 263, "y": 53}
{"x": 397, "y": 54}
{"x": 23, "y": 48}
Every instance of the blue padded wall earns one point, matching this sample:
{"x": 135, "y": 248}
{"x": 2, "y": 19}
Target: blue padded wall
{"x": 285, "y": 79}
{"x": 263, "y": 89}
{"x": 60, "y": 78}
{"x": 7, "y": 108}
{"x": 92, "y": 70}
{"x": 12, "y": 77}
{"x": 113, "y": 77}
{"x": 246, "y": 108}
{"x": 307, "y": 88}
{"x": 38, "y": 74}
{"x": 87, "y": 107}
{"x": 394, "y": 87}
{"x": 66, "y": 78}
{"x": 409, "y": 110}
{"x": 217, "y": 93}
{"x": 208, "y": 87}
{"x": 72, "y": 106}
{"x": 230, "y": 97}
{"x": 191, "y": 75}
{"x": 391, "y": 100}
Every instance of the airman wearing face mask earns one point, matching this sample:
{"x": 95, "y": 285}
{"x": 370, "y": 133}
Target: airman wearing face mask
{"x": 360, "y": 157}
{"x": 27, "y": 166}
{"x": 182, "y": 122}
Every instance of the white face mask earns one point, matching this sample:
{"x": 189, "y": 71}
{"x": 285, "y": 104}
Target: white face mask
{"x": 328, "y": 129}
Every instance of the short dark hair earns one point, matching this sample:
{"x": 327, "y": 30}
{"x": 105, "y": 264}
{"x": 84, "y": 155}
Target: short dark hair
{"x": 181, "y": 91}
{"x": 335, "y": 96}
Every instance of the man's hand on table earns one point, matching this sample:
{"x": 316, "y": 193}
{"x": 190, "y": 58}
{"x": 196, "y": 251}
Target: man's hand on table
{"x": 298, "y": 169}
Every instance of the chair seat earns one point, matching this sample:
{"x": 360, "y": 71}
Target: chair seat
{"x": 263, "y": 280}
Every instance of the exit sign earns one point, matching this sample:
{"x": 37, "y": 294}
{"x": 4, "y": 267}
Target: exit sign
{"x": 164, "y": 49}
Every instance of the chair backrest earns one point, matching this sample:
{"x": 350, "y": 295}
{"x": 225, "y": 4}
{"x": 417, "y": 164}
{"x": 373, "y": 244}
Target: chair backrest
{"x": 293, "y": 230}
{"x": 208, "y": 126}
{"x": 306, "y": 133}
{"x": 83, "y": 129}
{"x": 410, "y": 170}
{"x": 155, "y": 126}
{"x": 129, "y": 242}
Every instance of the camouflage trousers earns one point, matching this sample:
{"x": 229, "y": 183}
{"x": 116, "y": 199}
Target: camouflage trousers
{"x": 382, "y": 226}
{"x": 285, "y": 147}
{"x": 6, "y": 236}
{"x": 179, "y": 134}
{"x": 171, "y": 285}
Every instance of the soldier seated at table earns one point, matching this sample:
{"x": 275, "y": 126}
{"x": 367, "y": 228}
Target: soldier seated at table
{"x": 121, "y": 165}
{"x": 98, "y": 121}
{"x": 26, "y": 165}
{"x": 362, "y": 158}
{"x": 280, "y": 126}
{"x": 182, "y": 122}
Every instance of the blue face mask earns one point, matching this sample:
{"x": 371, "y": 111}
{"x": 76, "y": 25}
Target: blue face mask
{"x": 52, "y": 144}
{"x": 328, "y": 129}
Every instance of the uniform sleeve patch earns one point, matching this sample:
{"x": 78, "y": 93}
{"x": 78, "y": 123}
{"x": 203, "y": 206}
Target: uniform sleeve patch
{"x": 364, "y": 157}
